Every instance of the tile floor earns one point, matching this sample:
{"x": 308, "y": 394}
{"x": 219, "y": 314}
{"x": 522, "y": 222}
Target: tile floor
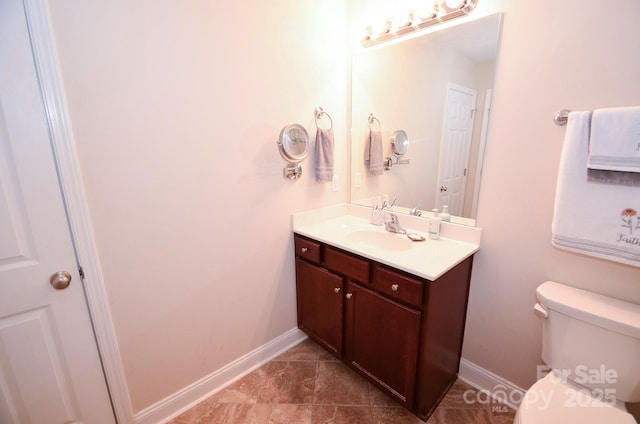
{"x": 307, "y": 385}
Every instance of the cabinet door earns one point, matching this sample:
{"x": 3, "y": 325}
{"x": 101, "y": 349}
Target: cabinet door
{"x": 320, "y": 305}
{"x": 381, "y": 341}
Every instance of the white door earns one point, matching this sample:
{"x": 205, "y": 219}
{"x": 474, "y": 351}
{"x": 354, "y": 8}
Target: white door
{"x": 455, "y": 147}
{"x": 50, "y": 370}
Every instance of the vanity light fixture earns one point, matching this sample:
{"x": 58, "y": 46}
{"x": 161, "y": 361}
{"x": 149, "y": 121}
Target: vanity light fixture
{"x": 431, "y": 13}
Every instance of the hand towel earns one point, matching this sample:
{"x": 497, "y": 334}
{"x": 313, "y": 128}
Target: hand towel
{"x": 615, "y": 139}
{"x": 324, "y": 155}
{"x": 373, "y": 152}
{"x": 589, "y": 218}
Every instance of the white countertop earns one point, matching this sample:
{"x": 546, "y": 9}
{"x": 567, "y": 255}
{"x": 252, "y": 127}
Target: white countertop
{"x": 430, "y": 259}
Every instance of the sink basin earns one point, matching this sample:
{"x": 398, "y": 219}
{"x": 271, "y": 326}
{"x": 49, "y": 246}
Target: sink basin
{"x": 380, "y": 240}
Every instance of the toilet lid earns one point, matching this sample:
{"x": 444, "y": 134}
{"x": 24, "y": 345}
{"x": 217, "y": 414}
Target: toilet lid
{"x": 551, "y": 400}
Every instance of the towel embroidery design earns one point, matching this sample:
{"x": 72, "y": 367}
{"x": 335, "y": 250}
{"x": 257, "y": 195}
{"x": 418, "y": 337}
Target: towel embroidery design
{"x": 628, "y": 215}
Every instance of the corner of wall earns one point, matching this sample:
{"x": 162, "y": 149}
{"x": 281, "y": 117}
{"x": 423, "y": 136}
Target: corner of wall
{"x": 491, "y": 384}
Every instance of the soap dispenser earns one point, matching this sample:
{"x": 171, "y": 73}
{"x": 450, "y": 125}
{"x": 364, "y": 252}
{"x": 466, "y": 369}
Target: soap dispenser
{"x": 445, "y": 216}
{"x": 434, "y": 225}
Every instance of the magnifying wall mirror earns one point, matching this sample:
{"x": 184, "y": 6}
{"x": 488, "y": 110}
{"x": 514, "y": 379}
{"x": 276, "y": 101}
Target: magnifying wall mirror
{"x": 293, "y": 144}
{"x": 423, "y": 85}
{"x": 399, "y": 143}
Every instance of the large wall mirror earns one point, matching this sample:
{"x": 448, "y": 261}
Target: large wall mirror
{"x": 437, "y": 89}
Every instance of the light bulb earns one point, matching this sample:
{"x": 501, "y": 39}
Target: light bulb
{"x": 401, "y": 20}
{"x": 368, "y": 32}
{"x": 426, "y": 11}
{"x": 380, "y": 28}
{"x": 455, "y": 4}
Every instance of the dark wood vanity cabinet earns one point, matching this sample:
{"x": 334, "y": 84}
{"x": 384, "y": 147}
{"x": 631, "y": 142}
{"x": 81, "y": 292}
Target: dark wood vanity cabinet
{"x": 382, "y": 340}
{"x": 401, "y": 332}
{"x": 320, "y": 305}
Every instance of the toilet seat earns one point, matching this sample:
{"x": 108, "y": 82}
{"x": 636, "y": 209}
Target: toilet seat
{"x": 551, "y": 400}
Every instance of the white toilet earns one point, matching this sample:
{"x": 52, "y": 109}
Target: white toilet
{"x": 594, "y": 341}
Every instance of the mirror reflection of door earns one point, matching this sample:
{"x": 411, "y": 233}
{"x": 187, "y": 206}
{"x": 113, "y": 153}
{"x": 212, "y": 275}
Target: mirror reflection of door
{"x": 455, "y": 147}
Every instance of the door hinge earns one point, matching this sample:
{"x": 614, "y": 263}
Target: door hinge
{"x": 81, "y": 271}
{"x": 465, "y": 172}
{"x": 473, "y": 112}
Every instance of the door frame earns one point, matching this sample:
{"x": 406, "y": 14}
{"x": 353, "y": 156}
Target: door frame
{"x": 70, "y": 180}
{"x": 486, "y": 112}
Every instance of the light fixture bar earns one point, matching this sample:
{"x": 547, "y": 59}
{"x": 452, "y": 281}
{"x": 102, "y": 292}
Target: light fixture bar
{"x": 443, "y": 11}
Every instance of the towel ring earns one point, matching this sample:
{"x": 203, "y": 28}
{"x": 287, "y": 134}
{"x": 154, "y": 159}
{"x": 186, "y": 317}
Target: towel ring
{"x": 319, "y": 113}
{"x": 372, "y": 120}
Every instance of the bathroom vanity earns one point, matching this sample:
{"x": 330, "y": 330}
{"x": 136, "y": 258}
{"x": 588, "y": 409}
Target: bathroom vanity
{"x": 358, "y": 297}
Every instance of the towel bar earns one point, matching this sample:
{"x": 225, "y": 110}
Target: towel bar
{"x": 561, "y": 117}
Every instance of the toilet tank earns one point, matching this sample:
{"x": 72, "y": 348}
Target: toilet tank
{"x": 594, "y": 340}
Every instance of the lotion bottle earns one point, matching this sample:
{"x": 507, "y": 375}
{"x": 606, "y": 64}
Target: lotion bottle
{"x": 434, "y": 225}
{"x": 445, "y": 216}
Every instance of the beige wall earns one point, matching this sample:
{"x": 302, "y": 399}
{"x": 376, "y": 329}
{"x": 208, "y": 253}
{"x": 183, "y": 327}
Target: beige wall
{"x": 176, "y": 109}
{"x": 555, "y": 55}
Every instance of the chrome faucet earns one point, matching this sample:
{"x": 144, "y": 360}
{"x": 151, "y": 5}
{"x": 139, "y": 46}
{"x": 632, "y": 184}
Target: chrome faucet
{"x": 393, "y": 226}
{"x": 415, "y": 211}
{"x": 386, "y": 204}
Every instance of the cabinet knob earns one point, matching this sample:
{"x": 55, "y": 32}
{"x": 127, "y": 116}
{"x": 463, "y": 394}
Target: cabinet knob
{"x": 304, "y": 250}
{"x": 349, "y": 295}
{"x": 395, "y": 287}
{"x": 336, "y": 290}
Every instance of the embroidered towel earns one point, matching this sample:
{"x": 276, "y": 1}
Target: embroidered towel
{"x": 589, "y": 218}
{"x": 324, "y": 155}
{"x": 373, "y": 152}
{"x": 615, "y": 139}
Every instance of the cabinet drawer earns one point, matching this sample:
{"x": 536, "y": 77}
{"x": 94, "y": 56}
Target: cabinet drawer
{"x": 397, "y": 285}
{"x": 307, "y": 249}
{"x": 345, "y": 264}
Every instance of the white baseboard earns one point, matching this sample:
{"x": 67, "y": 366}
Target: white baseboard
{"x": 491, "y": 384}
{"x": 175, "y": 404}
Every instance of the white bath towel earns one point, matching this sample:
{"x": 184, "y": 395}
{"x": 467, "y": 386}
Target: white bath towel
{"x": 324, "y": 155}
{"x": 373, "y": 152}
{"x": 615, "y": 139}
{"x": 594, "y": 219}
